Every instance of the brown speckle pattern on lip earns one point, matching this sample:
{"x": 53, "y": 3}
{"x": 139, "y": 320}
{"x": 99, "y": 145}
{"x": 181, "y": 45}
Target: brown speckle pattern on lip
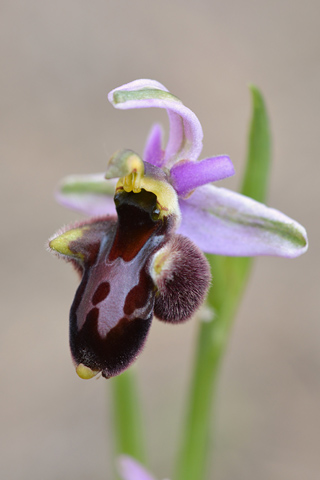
{"x": 101, "y": 293}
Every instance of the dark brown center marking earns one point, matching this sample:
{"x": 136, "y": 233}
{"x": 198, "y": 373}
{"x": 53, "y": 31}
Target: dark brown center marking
{"x": 101, "y": 293}
{"x": 92, "y": 316}
{"x": 136, "y": 223}
{"x": 139, "y": 294}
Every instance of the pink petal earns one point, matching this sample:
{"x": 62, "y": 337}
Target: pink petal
{"x": 185, "y": 138}
{"x": 153, "y": 152}
{"x": 130, "y": 469}
{"x": 223, "y": 222}
{"x": 187, "y": 176}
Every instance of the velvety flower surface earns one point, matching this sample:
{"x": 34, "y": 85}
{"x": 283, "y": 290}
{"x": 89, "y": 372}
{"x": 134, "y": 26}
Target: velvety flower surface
{"x": 218, "y": 220}
{"x": 141, "y": 257}
{"x": 133, "y": 267}
{"x": 130, "y": 469}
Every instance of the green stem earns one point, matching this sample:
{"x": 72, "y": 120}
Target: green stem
{"x": 127, "y": 416}
{"x": 229, "y": 279}
{"x": 212, "y": 341}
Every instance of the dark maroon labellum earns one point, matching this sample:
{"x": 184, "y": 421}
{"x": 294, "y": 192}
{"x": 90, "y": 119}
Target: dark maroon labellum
{"x": 132, "y": 268}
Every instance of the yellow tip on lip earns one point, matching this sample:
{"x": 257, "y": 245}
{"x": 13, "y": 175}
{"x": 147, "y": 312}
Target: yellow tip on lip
{"x": 61, "y": 243}
{"x": 85, "y": 372}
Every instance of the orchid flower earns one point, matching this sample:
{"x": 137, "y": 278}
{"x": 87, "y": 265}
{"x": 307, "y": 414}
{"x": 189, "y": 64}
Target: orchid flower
{"x": 130, "y": 469}
{"x": 142, "y": 256}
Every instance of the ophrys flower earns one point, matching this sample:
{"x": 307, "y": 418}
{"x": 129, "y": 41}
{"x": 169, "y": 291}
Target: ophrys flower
{"x": 144, "y": 262}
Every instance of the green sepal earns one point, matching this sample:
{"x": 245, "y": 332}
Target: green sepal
{"x": 143, "y": 94}
{"x": 85, "y": 184}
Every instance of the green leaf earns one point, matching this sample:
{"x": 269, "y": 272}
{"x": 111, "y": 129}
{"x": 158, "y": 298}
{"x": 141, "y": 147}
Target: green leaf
{"x": 230, "y": 276}
{"x": 256, "y": 177}
{"x": 128, "y": 432}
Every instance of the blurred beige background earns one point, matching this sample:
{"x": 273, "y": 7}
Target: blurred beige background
{"x": 58, "y": 61}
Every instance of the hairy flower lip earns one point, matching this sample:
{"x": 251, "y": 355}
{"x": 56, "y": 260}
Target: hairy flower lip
{"x": 119, "y": 293}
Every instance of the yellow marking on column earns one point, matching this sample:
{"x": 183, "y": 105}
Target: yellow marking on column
{"x": 126, "y": 165}
{"x": 85, "y": 372}
{"x": 129, "y": 167}
{"x": 132, "y": 181}
{"x": 127, "y": 183}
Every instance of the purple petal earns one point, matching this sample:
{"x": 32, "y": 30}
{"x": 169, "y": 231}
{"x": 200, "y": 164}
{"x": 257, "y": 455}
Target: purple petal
{"x": 88, "y": 194}
{"x": 189, "y": 175}
{"x": 185, "y": 138}
{"x": 130, "y": 469}
{"x": 153, "y": 152}
{"x": 223, "y": 222}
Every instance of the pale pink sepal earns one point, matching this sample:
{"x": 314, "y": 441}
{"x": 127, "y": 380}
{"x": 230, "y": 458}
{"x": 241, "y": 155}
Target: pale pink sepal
{"x": 153, "y": 152}
{"x": 223, "y": 222}
{"x": 89, "y": 194}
